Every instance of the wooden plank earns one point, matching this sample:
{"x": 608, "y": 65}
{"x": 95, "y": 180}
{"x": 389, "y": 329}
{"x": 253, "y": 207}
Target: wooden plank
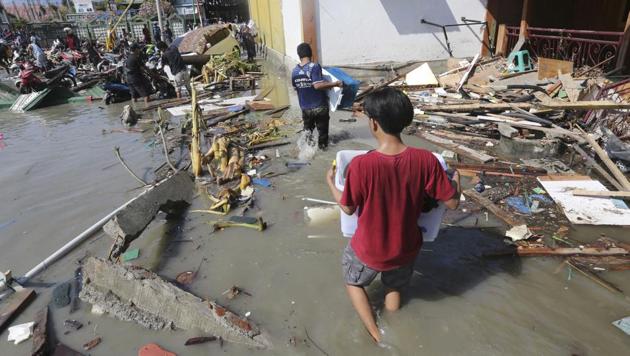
{"x": 309, "y": 27}
{"x": 40, "y": 333}
{"x": 621, "y": 178}
{"x": 571, "y": 251}
{"x": 552, "y": 104}
{"x": 548, "y": 68}
{"x": 598, "y": 193}
{"x": 14, "y": 305}
{"x": 263, "y": 94}
{"x": 521, "y": 170}
{"x": 591, "y": 162}
{"x": 460, "y": 149}
{"x": 277, "y": 113}
{"x": 502, "y": 41}
{"x": 472, "y": 66}
{"x": 555, "y": 131}
{"x": 558, "y": 177}
{"x": 506, "y": 216}
{"x": 226, "y": 117}
{"x": 260, "y": 105}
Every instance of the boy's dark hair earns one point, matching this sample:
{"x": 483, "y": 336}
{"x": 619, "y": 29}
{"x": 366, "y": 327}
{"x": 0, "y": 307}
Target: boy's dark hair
{"x": 304, "y": 50}
{"x": 162, "y": 46}
{"x": 391, "y": 108}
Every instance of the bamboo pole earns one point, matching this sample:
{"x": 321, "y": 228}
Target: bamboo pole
{"x": 195, "y": 146}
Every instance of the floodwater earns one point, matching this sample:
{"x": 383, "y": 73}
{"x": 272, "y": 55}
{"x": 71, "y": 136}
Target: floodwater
{"x": 59, "y": 175}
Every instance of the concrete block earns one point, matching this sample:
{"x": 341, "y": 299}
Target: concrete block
{"x": 170, "y": 195}
{"x": 507, "y": 131}
{"x": 132, "y": 293}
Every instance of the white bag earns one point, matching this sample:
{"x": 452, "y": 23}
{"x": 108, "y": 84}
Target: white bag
{"x": 428, "y": 222}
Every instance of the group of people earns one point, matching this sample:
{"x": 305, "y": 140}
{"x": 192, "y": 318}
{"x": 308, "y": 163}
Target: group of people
{"x": 389, "y": 188}
{"x": 135, "y": 70}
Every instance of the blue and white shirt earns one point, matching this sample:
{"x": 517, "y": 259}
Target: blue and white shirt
{"x": 303, "y": 78}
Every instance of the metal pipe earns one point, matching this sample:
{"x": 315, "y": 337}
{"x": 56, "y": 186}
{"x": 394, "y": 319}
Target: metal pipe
{"x": 320, "y": 201}
{"x": 71, "y": 244}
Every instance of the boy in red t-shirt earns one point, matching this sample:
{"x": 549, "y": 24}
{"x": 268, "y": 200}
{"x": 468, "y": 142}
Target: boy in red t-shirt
{"x": 388, "y": 187}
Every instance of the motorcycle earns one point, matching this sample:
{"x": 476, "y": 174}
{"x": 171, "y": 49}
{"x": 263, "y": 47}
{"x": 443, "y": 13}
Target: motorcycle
{"x": 28, "y": 82}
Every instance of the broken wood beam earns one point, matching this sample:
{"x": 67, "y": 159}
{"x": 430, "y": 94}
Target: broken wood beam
{"x": 263, "y": 93}
{"x": 509, "y": 218}
{"x": 592, "y": 163}
{"x": 459, "y": 149}
{"x": 132, "y": 293}
{"x": 516, "y": 169}
{"x": 218, "y": 120}
{"x": 14, "y": 305}
{"x": 263, "y": 146}
{"x": 466, "y": 75}
{"x": 595, "y": 278}
{"x": 277, "y": 113}
{"x": 612, "y": 167}
{"x": 260, "y": 105}
{"x": 571, "y": 251}
{"x": 599, "y": 193}
{"x": 554, "y": 105}
{"x": 40, "y": 334}
{"x": 462, "y": 136}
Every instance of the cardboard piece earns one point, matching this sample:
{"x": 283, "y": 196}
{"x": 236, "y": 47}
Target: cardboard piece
{"x": 548, "y": 68}
{"x": 422, "y": 75}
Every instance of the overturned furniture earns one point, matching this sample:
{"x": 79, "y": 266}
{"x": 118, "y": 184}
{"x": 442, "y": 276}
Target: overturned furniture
{"x": 131, "y": 293}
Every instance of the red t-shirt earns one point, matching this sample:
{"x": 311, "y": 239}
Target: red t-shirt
{"x": 388, "y": 192}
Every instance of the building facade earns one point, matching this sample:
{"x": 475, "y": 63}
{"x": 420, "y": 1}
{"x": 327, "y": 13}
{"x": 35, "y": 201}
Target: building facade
{"x": 370, "y": 31}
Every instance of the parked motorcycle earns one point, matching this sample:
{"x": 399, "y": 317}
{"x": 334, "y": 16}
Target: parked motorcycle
{"x": 28, "y": 81}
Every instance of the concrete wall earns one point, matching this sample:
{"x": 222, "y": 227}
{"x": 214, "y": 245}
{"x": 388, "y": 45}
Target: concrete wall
{"x": 367, "y": 31}
{"x": 292, "y": 19}
{"x": 268, "y": 17}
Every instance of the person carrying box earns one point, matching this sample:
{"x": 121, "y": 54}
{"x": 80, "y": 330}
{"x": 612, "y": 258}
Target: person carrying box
{"x": 388, "y": 187}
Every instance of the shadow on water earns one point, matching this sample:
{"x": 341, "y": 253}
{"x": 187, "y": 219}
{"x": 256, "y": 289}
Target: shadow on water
{"x": 455, "y": 263}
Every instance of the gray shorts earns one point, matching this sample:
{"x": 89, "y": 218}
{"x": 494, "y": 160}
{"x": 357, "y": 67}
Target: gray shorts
{"x": 355, "y": 273}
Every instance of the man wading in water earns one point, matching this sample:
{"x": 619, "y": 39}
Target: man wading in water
{"x": 309, "y": 82}
{"x": 388, "y": 187}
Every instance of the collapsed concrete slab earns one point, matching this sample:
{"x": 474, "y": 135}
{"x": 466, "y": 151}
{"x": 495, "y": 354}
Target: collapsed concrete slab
{"x": 135, "y": 294}
{"x": 170, "y": 195}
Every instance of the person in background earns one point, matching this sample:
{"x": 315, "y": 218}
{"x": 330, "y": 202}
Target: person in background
{"x": 308, "y": 80}
{"x": 138, "y": 84}
{"x": 249, "y": 43}
{"x": 172, "y": 58}
{"x": 41, "y": 62}
{"x": 157, "y": 33}
{"x": 93, "y": 54}
{"x": 389, "y": 187}
{"x": 168, "y": 34}
{"x": 146, "y": 34}
{"x": 71, "y": 40}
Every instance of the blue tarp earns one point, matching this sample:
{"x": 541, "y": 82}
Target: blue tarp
{"x": 350, "y": 86}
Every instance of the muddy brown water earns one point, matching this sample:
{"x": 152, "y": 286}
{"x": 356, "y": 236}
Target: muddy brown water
{"x": 59, "y": 175}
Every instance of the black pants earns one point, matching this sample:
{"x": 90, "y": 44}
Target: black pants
{"x": 318, "y": 117}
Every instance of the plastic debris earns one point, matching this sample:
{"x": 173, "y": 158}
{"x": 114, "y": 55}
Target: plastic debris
{"x": 153, "y": 350}
{"x": 623, "y": 324}
{"x": 131, "y": 255}
{"x": 21, "y": 332}
{"x": 520, "y": 232}
{"x": 262, "y": 182}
